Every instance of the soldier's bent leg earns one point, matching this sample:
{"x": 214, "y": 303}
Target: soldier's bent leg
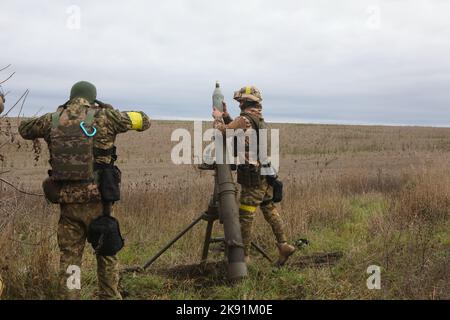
{"x": 246, "y": 216}
{"x": 108, "y": 278}
{"x": 250, "y": 199}
{"x": 272, "y": 216}
{"x": 71, "y": 240}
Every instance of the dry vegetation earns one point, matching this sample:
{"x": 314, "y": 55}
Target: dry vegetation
{"x": 379, "y": 195}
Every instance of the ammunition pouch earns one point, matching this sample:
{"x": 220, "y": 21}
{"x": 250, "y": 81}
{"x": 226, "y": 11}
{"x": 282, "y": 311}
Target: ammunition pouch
{"x": 105, "y": 237}
{"x": 52, "y": 190}
{"x": 249, "y": 175}
{"x": 109, "y": 177}
{"x": 277, "y": 187}
{"x": 271, "y": 180}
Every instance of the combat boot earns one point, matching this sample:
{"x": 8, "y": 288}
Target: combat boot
{"x": 285, "y": 250}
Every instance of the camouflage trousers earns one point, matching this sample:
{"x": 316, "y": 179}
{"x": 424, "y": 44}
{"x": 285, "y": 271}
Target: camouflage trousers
{"x": 72, "y": 234}
{"x": 252, "y": 198}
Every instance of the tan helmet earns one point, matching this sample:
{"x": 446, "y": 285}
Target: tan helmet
{"x": 249, "y": 93}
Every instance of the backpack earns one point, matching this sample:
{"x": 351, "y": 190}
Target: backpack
{"x": 72, "y": 143}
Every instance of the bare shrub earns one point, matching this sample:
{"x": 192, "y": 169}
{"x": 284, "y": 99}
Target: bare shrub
{"x": 407, "y": 244}
{"x": 425, "y": 200}
{"x": 351, "y": 183}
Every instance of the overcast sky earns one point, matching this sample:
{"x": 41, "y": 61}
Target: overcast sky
{"x": 326, "y": 61}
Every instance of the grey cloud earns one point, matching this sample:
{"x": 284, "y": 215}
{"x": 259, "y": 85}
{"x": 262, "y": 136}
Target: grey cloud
{"x": 314, "y": 60}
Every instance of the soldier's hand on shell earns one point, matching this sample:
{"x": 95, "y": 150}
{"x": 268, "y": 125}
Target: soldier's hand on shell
{"x": 216, "y": 113}
{"x": 225, "y": 110}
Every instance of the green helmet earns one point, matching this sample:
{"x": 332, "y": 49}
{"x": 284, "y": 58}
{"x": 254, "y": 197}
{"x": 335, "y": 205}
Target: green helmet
{"x": 84, "y": 89}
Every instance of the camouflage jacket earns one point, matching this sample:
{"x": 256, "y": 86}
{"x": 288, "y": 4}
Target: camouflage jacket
{"x": 241, "y": 122}
{"x": 108, "y": 121}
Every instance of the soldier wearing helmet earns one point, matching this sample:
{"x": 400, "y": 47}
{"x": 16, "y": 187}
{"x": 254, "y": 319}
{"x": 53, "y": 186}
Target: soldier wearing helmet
{"x": 256, "y": 190}
{"x": 84, "y": 180}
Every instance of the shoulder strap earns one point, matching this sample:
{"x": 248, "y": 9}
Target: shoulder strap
{"x": 252, "y": 119}
{"x": 90, "y": 117}
{"x": 255, "y": 125}
{"x": 55, "y": 119}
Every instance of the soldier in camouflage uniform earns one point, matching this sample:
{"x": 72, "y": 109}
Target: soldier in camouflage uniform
{"x": 252, "y": 197}
{"x": 80, "y": 202}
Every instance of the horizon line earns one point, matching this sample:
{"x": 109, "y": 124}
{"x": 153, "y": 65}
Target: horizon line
{"x": 316, "y": 122}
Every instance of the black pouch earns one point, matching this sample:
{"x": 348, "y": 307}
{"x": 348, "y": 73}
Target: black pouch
{"x": 248, "y": 175}
{"x": 277, "y": 186}
{"x": 110, "y": 178}
{"x": 104, "y": 236}
{"x": 271, "y": 180}
{"x": 52, "y": 190}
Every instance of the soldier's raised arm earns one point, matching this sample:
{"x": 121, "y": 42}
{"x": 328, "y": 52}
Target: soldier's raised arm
{"x": 36, "y": 128}
{"x": 223, "y": 120}
{"x": 123, "y": 121}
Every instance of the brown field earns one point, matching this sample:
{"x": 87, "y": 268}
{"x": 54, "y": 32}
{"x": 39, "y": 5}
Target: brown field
{"x": 379, "y": 195}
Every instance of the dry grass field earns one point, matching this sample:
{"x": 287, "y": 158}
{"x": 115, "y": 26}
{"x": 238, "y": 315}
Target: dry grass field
{"x": 378, "y": 195}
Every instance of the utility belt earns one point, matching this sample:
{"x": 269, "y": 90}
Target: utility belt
{"x": 70, "y": 192}
{"x": 104, "y": 187}
{"x": 249, "y": 175}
